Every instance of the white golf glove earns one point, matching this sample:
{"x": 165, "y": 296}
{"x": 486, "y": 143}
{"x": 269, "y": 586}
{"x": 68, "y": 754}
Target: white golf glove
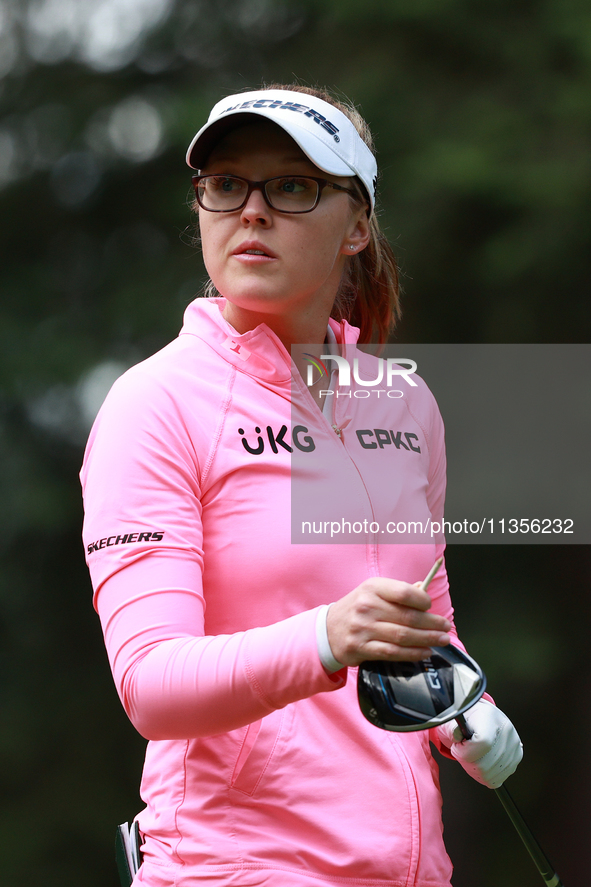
{"x": 494, "y": 750}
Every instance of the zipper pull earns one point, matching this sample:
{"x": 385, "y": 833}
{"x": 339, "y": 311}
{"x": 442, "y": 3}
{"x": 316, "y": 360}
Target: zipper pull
{"x": 337, "y": 431}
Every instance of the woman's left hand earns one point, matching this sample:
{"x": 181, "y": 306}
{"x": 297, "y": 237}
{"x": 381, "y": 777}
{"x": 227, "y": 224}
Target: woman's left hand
{"x": 493, "y": 752}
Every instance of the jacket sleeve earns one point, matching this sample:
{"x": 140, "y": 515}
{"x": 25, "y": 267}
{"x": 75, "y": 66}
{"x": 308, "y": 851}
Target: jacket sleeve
{"x": 144, "y": 548}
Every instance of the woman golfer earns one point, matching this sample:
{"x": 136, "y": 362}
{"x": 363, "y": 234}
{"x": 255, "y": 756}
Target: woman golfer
{"x": 232, "y": 628}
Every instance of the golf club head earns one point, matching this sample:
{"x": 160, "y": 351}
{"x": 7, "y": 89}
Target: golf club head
{"x": 408, "y": 696}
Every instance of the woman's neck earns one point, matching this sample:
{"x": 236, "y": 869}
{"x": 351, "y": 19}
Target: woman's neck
{"x": 306, "y": 329}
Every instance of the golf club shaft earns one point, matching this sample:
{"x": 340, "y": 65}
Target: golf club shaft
{"x": 542, "y": 863}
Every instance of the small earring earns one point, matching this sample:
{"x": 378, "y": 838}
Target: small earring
{"x": 351, "y": 246}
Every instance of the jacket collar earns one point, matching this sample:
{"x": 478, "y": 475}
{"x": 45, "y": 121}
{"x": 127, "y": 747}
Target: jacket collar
{"x": 258, "y": 352}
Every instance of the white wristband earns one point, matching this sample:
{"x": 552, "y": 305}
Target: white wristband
{"x": 324, "y": 651}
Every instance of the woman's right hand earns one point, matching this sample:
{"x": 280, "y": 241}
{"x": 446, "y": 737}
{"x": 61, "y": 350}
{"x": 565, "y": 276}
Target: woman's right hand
{"x": 385, "y": 619}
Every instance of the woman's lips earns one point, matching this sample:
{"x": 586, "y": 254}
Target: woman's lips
{"x": 253, "y": 253}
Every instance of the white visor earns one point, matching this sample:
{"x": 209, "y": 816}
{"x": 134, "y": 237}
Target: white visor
{"x": 324, "y": 133}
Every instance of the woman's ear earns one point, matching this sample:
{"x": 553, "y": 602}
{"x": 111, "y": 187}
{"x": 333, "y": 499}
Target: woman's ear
{"x": 359, "y": 235}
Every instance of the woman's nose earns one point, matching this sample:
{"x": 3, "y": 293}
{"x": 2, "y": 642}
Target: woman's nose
{"x": 256, "y": 210}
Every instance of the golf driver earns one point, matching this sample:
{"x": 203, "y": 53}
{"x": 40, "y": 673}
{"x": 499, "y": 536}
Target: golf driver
{"x": 408, "y": 696}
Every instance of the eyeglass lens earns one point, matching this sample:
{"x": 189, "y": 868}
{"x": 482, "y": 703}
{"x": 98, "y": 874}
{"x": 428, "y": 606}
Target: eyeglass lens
{"x": 285, "y": 193}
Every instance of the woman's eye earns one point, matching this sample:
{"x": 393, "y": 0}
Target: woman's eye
{"x": 293, "y": 186}
{"x": 224, "y": 184}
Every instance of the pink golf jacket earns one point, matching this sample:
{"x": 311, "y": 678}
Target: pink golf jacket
{"x": 260, "y": 769}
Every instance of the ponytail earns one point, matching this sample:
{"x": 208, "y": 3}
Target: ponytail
{"x": 369, "y": 294}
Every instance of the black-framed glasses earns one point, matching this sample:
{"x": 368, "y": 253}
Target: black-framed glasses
{"x": 286, "y": 194}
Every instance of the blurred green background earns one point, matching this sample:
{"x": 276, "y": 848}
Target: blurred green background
{"x": 482, "y": 117}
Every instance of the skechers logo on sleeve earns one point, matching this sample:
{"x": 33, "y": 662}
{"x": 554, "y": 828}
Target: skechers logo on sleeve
{"x": 316, "y": 116}
{"x": 109, "y": 541}
{"x": 299, "y": 437}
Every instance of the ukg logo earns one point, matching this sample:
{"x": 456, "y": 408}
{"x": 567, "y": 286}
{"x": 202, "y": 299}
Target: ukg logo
{"x": 390, "y": 370}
